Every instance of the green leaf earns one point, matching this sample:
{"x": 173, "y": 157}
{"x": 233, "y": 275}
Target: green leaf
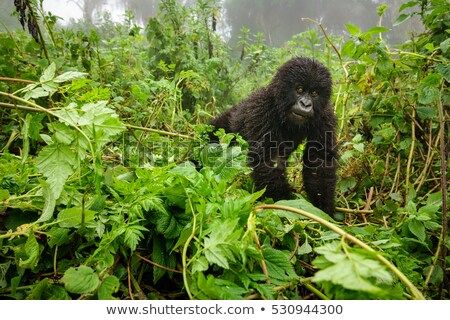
{"x": 353, "y": 30}
{"x": 426, "y": 113}
{"x": 58, "y": 236}
{"x": 348, "y": 49}
{"x": 73, "y": 217}
{"x": 278, "y": 265}
{"x": 429, "y": 88}
{"x": 56, "y": 162}
{"x": 375, "y": 30}
{"x": 69, "y": 76}
{"x": 49, "y": 204}
{"x": 221, "y": 246}
{"x": 417, "y": 228}
{"x": 133, "y": 234}
{"x": 445, "y": 45}
{"x": 402, "y": 18}
{"x": 444, "y": 70}
{"x": 48, "y": 73}
{"x": 80, "y": 280}
{"x": 352, "y": 270}
{"x": 29, "y": 255}
{"x": 408, "y": 4}
{"x": 108, "y": 287}
{"x": 200, "y": 264}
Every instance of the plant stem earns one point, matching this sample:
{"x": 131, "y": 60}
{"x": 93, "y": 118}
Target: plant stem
{"x": 415, "y": 292}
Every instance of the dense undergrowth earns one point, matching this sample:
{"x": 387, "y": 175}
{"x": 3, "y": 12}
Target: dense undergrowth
{"x": 110, "y": 189}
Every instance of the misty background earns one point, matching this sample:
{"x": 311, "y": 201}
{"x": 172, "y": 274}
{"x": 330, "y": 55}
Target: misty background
{"x": 278, "y": 20}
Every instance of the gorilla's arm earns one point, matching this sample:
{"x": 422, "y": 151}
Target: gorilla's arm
{"x": 320, "y": 164}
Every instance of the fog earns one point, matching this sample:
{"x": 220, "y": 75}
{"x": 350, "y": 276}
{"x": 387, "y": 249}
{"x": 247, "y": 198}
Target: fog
{"x": 278, "y": 20}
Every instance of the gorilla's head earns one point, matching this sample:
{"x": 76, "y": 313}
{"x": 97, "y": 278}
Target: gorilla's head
{"x": 302, "y": 89}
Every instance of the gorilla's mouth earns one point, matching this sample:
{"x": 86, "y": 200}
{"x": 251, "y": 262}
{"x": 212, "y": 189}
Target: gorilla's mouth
{"x": 299, "y": 115}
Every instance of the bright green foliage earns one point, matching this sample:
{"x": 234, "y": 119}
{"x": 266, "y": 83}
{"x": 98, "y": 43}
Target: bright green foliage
{"x": 107, "y": 177}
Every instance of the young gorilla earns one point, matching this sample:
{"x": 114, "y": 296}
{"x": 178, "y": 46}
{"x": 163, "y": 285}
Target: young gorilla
{"x": 276, "y": 118}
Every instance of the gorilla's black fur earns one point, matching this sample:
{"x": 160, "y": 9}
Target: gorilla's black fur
{"x": 274, "y": 119}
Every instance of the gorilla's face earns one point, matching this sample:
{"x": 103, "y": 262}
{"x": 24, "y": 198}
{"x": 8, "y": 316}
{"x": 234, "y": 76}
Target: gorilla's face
{"x": 302, "y": 89}
{"x": 303, "y": 108}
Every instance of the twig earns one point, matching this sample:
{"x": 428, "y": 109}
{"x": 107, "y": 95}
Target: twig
{"x": 443, "y": 156}
{"x": 263, "y": 263}
{"x": 156, "y": 264}
{"x": 166, "y": 133}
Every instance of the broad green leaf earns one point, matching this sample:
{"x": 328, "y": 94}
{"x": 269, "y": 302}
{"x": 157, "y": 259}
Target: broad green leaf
{"x": 429, "y": 88}
{"x": 345, "y": 273}
{"x": 73, "y": 217}
{"x": 417, "y": 228}
{"x": 29, "y": 256}
{"x": 56, "y": 163}
{"x": 49, "y": 204}
{"x": 68, "y": 115}
{"x": 353, "y": 30}
{"x": 36, "y": 93}
{"x": 348, "y": 49}
{"x": 402, "y": 18}
{"x": 62, "y": 133}
{"x": 109, "y": 286}
{"x": 408, "y": 4}
{"x": 221, "y": 245}
{"x": 444, "y": 70}
{"x": 48, "y": 73}
{"x": 351, "y": 270}
{"x": 445, "y": 45}
{"x": 375, "y": 30}
{"x": 69, "y": 76}
{"x": 426, "y": 113}
{"x": 58, "y": 236}
{"x": 80, "y": 280}
{"x": 200, "y": 265}
{"x": 278, "y": 265}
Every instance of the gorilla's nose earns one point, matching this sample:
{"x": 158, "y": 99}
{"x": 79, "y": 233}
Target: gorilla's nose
{"x": 306, "y": 103}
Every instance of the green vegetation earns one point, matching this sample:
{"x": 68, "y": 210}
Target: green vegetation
{"x": 110, "y": 189}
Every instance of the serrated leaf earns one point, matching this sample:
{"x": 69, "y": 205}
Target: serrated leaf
{"x": 48, "y": 73}
{"x": 417, "y": 228}
{"x": 109, "y": 286}
{"x": 80, "y": 280}
{"x": 62, "y": 133}
{"x": 133, "y": 234}
{"x": 99, "y": 122}
{"x": 352, "y": 270}
{"x": 72, "y": 217}
{"x": 429, "y": 88}
{"x": 36, "y": 93}
{"x": 222, "y": 243}
{"x": 278, "y": 265}
{"x": 56, "y": 163}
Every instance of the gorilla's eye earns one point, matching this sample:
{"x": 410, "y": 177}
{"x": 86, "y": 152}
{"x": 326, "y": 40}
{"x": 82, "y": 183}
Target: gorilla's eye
{"x": 299, "y": 90}
{"x": 314, "y": 94}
